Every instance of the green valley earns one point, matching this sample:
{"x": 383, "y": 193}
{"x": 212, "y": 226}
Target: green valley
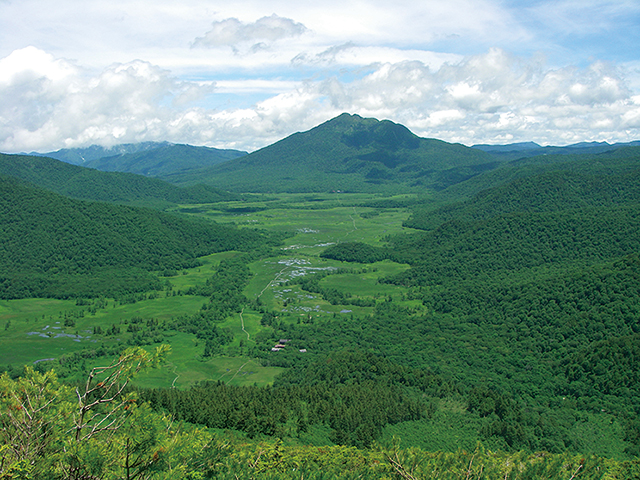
{"x": 482, "y": 323}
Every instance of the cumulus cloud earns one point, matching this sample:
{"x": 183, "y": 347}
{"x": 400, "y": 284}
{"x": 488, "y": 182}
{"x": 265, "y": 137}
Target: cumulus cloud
{"x": 253, "y": 37}
{"x": 494, "y": 96}
{"x": 48, "y": 103}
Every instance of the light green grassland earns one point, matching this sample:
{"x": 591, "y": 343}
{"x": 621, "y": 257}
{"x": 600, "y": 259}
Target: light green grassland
{"x": 37, "y": 327}
{"x": 185, "y": 366}
{"x": 316, "y": 220}
{"x": 365, "y": 283}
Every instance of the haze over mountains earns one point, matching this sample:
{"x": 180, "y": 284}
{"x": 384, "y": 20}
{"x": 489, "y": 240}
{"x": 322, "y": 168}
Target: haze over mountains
{"x": 147, "y": 158}
{"x": 530, "y": 149}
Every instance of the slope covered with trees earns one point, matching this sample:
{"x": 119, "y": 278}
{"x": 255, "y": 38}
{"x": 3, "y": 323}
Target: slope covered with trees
{"x": 89, "y": 184}
{"x": 52, "y": 245}
{"x": 164, "y": 160}
{"x": 347, "y": 153}
{"x": 619, "y": 161}
{"x": 531, "y": 290}
{"x": 102, "y": 431}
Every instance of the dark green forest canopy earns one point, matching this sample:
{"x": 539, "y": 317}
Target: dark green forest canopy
{"x": 89, "y": 184}
{"x": 620, "y": 161}
{"x": 164, "y": 160}
{"x": 354, "y": 392}
{"x": 528, "y": 346}
{"x": 583, "y": 213}
{"x": 519, "y": 241}
{"x": 46, "y": 239}
{"x": 550, "y": 192}
{"x": 531, "y": 288}
{"x": 141, "y": 443}
{"x": 347, "y": 153}
{"x": 355, "y": 252}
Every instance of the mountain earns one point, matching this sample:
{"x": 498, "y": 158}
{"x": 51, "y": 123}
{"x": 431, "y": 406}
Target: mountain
{"x": 584, "y": 212}
{"x": 623, "y": 159}
{"x": 153, "y": 159}
{"x": 347, "y": 153}
{"x": 547, "y": 192}
{"x": 89, "y": 184}
{"x": 164, "y": 159}
{"x": 55, "y": 246}
{"x": 530, "y": 149}
{"x": 511, "y": 147}
{"x": 80, "y": 156}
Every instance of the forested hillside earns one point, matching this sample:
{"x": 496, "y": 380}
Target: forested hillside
{"x": 101, "y": 431}
{"x": 616, "y": 162}
{"x": 348, "y": 153}
{"x": 54, "y": 246}
{"x": 551, "y": 192}
{"x": 164, "y": 160}
{"x": 89, "y": 184}
{"x": 531, "y": 288}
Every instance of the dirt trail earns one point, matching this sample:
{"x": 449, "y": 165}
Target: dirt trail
{"x": 278, "y": 275}
{"x": 237, "y": 372}
{"x": 175, "y": 370}
{"x": 242, "y": 324}
{"x": 353, "y": 220}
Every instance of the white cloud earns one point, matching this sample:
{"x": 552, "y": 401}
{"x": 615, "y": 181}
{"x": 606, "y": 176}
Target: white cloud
{"x": 255, "y": 36}
{"x": 48, "y": 103}
{"x": 35, "y": 63}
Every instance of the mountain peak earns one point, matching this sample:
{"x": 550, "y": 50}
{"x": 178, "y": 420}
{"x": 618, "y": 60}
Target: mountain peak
{"x": 360, "y": 133}
{"x": 351, "y": 153}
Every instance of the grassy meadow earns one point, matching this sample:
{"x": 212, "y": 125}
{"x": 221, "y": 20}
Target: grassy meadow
{"x": 36, "y": 330}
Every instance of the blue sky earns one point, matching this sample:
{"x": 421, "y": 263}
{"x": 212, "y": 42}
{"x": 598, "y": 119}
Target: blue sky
{"x": 244, "y": 74}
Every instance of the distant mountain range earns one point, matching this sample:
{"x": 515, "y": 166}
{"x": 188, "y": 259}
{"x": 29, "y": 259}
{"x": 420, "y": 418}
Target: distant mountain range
{"x": 531, "y": 149}
{"x": 81, "y": 156}
{"x": 153, "y": 159}
{"x": 348, "y": 153}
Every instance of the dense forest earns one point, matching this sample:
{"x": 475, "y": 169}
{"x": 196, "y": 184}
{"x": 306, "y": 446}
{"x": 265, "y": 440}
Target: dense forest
{"x": 54, "y": 246}
{"x": 48, "y": 430}
{"x": 116, "y": 187}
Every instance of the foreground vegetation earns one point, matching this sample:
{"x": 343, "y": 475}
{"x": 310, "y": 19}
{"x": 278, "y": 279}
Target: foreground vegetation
{"x": 49, "y": 431}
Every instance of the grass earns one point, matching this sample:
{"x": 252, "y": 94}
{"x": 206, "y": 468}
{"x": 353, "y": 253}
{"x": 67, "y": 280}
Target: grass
{"x": 185, "y": 366}
{"x": 315, "y": 220}
{"x": 365, "y": 283}
{"x": 37, "y": 327}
